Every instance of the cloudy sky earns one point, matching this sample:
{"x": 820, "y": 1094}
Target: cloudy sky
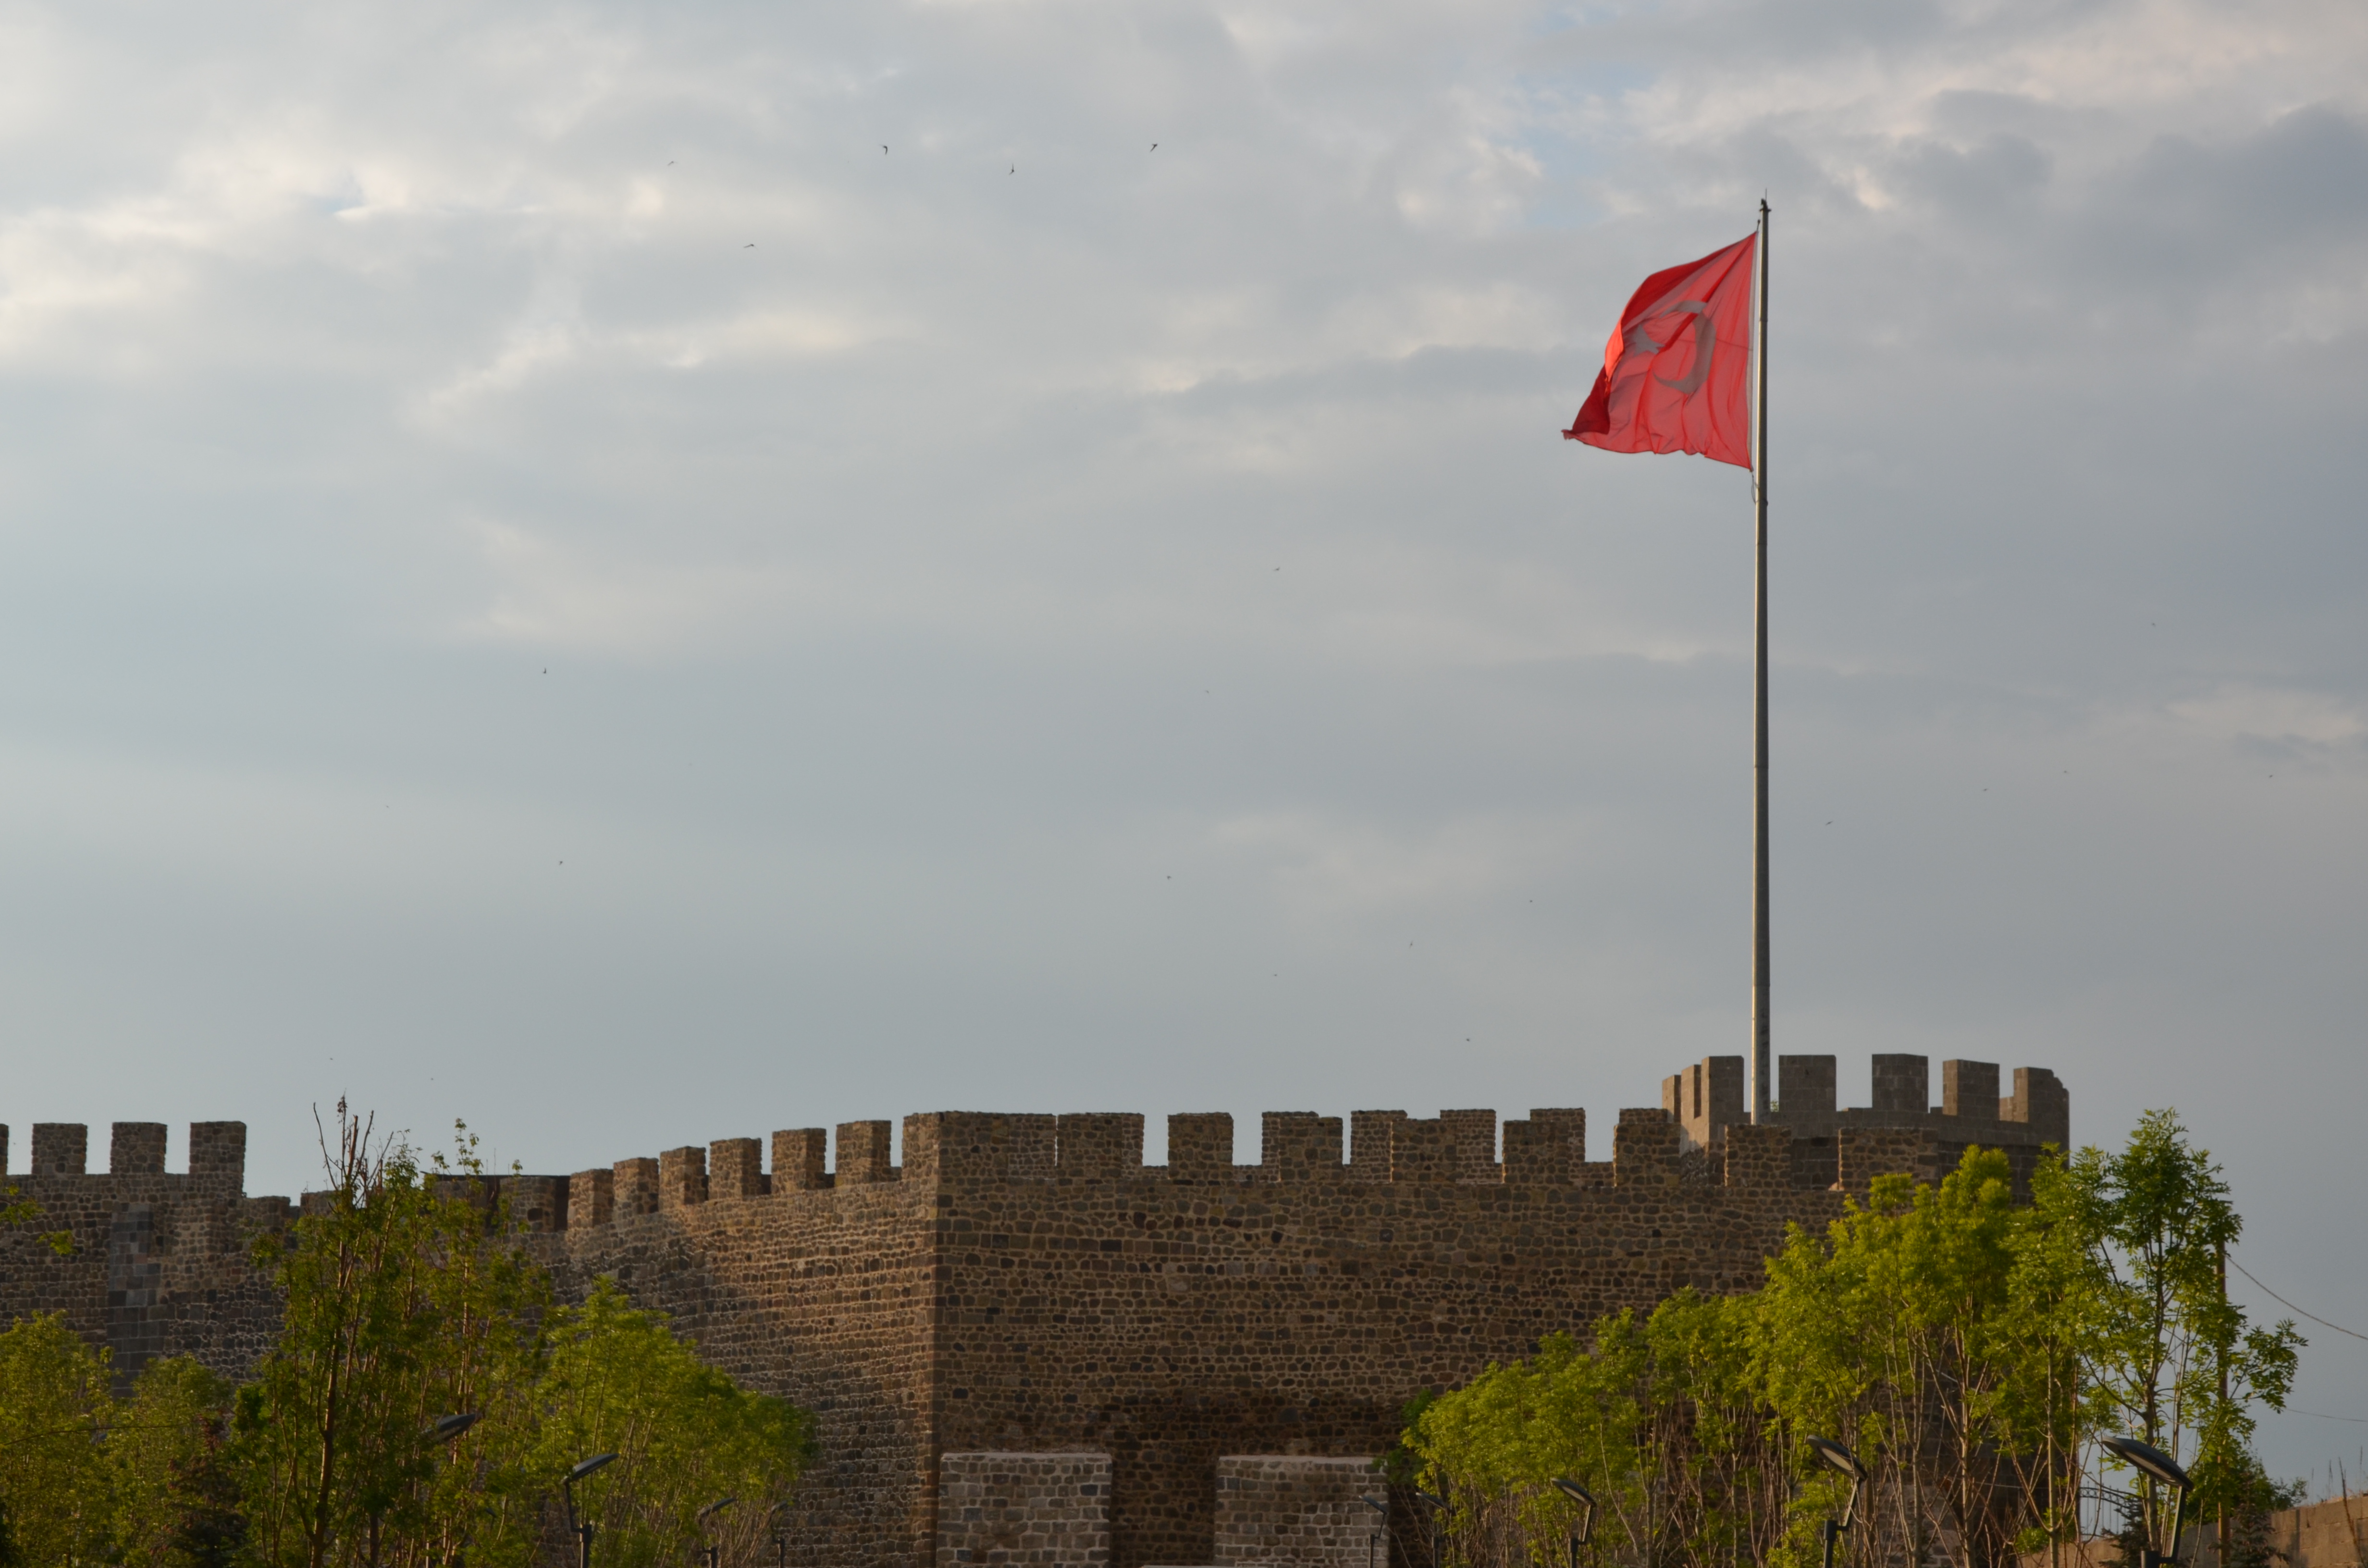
{"x": 641, "y": 574}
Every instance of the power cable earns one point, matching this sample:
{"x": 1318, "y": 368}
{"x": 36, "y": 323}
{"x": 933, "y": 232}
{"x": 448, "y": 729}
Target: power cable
{"x": 2291, "y": 1307}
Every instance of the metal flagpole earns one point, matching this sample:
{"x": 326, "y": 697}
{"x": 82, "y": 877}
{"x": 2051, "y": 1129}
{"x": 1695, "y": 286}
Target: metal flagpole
{"x": 1760, "y": 1030}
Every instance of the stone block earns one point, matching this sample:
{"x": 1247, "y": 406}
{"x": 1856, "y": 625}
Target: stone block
{"x": 136, "y": 1148}
{"x": 1645, "y": 1147}
{"x": 1969, "y": 1090}
{"x": 863, "y": 1155}
{"x": 1473, "y": 1133}
{"x": 60, "y": 1148}
{"x": 637, "y": 1187}
{"x": 1422, "y": 1151}
{"x": 974, "y": 1145}
{"x": 1547, "y": 1149}
{"x": 1804, "y": 1087}
{"x": 1200, "y": 1148}
{"x": 1759, "y": 1158}
{"x": 1299, "y": 1145}
{"x": 591, "y": 1198}
{"x": 1099, "y": 1144}
{"x": 1706, "y": 1099}
{"x": 2041, "y": 1104}
{"x": 1023, "y": 1510}
{"x": 1297, "y": 1509}
{"x": 1369, "y": 1144}
{"x": 735, "y": 1168}
{"x": 1903, "y": 1084}
{"x": 537, "y": 1204}
{"x": 1869, "y": 1152}
{"x": 218, "y": 1154}
{"x": 682, "y": 1176}
{"x": 801, "y": 1160}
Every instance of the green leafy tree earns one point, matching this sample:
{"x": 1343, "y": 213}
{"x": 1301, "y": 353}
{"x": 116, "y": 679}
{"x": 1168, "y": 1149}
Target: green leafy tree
{"x": 620, "y": 1382}
{"x": 1970, "y": 1349}
{"x": 2177, "y": 1363}
{"x": 54, "y": 1409}
{"x": 404, "y": 1302}
{"x": 174, "y": 1492}
{"x": 1895, "y": 1331}
{"x": 1659, "y": 1418}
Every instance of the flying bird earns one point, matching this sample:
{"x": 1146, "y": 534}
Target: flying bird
{"x": 750, "y": 245}
{"x": 1154, "y": 146}
{"x": 883, "y": 149}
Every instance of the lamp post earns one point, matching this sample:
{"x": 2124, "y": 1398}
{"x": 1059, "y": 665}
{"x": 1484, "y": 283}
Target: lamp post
{"x": 1842, "y": 1459}
{"x": 2155, "y": 1465}
{"x": 584, "y": 1529}
{"x": 1437, "y": 1526}
{"x": 1585, "y": 1500}
{"x": 715, "y": 1548}
{"x": 781, "y": 1535}
{"x": 1381, "y": 1522}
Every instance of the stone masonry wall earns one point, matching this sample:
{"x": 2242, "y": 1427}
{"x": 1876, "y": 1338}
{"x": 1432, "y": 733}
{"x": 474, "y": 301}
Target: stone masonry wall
{"x": 159, "y": 1263}
{"x": 1025, "y": 1283}
{"x": 1023, "y": 1510}
{"x": 1292, "y": 1508}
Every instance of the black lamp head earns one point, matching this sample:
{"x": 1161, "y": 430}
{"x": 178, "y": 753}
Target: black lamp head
{"x": 1434, "y": 1502}
{"x": 2145, "y": 1457}
{"x": 444, "y": 1429}
{"x": 586, "y": 1467}
{"x": 717, "y": 1506}
{"x": 1376, "y": 1505}
{"x": 1841, "y": 1458}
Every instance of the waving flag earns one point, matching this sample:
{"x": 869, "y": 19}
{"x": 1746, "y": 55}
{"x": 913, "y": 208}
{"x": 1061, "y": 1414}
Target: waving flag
{"x": 1675, "y": 373}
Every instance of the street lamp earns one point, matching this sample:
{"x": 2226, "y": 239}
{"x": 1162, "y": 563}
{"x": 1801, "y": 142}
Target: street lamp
{"x": 1842, "y": 1459}
{"x": 1381, "y": 1522}
{"x": 1437, "y": 1525}
{"x": 781, "y": 1535}
{"x": 1585, "y": 1500}
{"x": 715, "y": 1548}
{"x": 583, "y": 1531}
{"x": 2155, "y": 1465}
{"x": 444, "y": 1429}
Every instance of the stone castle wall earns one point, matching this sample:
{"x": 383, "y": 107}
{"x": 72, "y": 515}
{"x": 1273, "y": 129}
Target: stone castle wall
{"x": 1027, "y": 1285}
{"x": 160, "y": 1263}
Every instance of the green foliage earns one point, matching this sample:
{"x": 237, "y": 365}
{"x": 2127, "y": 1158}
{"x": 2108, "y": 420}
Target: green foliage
{"x": 54, "y": 1408}
{"x": 407, "y": 1299}
{"x": 175, "y": 1495}
{"x": 1659, "y": 1419}
{"x": 403, "y": 1305}
{"x": 2174, "y": 1362}
{"x": 1968, "y": 1350}
{"x": 618, "y": 1381}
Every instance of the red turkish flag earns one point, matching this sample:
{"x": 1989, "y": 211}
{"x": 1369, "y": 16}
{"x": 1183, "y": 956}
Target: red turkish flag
{"x": 1674, "y": 375}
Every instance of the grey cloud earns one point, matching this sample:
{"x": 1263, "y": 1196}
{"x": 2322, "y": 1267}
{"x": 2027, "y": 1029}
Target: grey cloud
{"x": 926, "y": 705}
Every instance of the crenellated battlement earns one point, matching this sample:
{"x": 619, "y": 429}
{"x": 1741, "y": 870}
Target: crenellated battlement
{"x": 61, "y": 1150}
{"x": 1807, "y": 1144}
{"x": 1026, "y": 1284}
{"x": 1707, "y": 1098}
